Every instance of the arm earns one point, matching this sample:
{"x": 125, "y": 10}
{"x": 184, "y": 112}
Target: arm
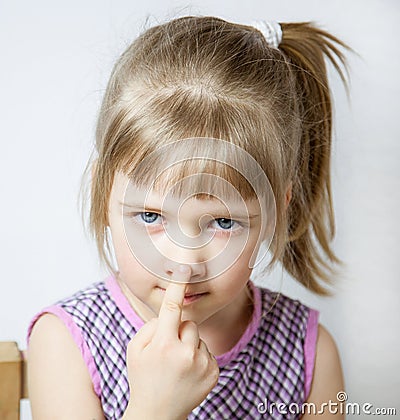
{"x": 58, "y": 379}
{"x": 328, "y": 377}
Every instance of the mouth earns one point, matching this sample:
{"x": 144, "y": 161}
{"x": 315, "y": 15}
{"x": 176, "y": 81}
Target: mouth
{"x": 189, "y": 297}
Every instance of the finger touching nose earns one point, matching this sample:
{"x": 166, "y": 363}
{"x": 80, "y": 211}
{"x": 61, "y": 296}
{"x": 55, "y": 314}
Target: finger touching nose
{"x": 198, "y": 271}
{"x": 169, "y": 317}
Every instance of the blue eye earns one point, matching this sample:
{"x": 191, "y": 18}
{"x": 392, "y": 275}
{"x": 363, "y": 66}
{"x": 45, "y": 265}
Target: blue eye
{"x": 220, "y": 226}
{"x": 225, "y": 223}
{"x": 148, "y": 216}
{"x": 228, "y": 227}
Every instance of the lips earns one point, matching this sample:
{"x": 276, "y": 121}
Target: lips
{"x": 194, "y": 294}
{"x": 187, "y": 295}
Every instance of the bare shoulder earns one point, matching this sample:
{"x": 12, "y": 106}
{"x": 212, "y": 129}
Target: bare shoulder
{"x": 327, "y": 378}
{"x": 58, "y": 379}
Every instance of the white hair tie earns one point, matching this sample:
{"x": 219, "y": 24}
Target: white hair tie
{"x": 272, "y": 31}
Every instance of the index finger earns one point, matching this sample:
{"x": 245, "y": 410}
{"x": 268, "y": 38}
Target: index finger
{"x": 169, "y": 317}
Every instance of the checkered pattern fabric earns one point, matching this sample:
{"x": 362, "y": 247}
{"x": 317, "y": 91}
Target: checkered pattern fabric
{"x": 269, "y": 369}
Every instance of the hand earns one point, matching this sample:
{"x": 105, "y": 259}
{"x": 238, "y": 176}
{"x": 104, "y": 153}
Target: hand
{"x": 170, "y": 369}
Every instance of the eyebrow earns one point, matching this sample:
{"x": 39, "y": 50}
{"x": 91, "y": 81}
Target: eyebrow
{"x": 217, "y": 213}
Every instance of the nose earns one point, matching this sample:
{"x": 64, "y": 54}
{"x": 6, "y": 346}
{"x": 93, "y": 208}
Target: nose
{"x": 198, "y": 270}
{"x": 181, "y": 248}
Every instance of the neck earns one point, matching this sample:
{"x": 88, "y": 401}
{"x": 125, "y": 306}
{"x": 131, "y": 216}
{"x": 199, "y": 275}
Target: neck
{"x": 223, "y": 330}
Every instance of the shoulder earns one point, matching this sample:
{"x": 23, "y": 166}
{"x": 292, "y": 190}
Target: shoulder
{"x": 75, "y": 309}
{"x": 326, "y": 346}
{"x": 60, "y": 367}
{"x": 327, "y": 370}
{"x": 327, "y": 360}
{"x": 328, "y": 376}
{"x": 57, "y": 374}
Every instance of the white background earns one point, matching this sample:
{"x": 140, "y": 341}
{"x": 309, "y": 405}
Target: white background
{"x": 55, "y": 61}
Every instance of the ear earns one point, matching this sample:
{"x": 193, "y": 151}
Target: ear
{"x": 288, "y": 195}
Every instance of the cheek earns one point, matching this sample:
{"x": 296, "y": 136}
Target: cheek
{"x": 246, "y": 250}
{"x": 252, "y": 248}
{"x": 122, "y": 251}
{"x": 239, "y": 272}
{"x": 241, "y": 268}
{"x": 232, "y": 282}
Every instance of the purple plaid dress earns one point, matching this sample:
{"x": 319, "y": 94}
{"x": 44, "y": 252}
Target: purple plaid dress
{"x": 267, "y": 374}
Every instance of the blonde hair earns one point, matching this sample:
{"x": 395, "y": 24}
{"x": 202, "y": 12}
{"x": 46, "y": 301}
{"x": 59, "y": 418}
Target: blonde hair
{"x": 201, "y": 76}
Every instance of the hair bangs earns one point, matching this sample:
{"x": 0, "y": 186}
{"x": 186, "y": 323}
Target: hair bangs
{"x": 197, "y": 166}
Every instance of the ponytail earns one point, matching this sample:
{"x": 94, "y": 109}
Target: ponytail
{"x": 310, "y": 216}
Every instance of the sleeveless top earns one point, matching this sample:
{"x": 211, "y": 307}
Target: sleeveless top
{"x": 267, "y": 374}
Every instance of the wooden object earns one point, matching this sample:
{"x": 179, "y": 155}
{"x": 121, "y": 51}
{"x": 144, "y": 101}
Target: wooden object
{"x": 13, "y": 380}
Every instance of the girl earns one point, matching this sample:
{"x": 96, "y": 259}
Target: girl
{"x": 173, "y": 333}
